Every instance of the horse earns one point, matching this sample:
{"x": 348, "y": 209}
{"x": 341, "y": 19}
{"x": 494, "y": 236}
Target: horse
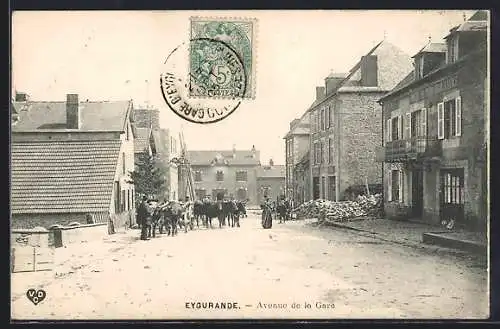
{"x": 198, "y": 210}
{"x": 231, "y": 212}
{"x": 173, "y": 213}
{"x": 210, "y": 210}
{"x": 282, "y": 210}
{"x": 242, "y": 212}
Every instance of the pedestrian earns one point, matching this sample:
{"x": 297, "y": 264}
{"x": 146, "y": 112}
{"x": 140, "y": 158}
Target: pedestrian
{"x": 142, "y": 217}
{"x": 267, "y": 218}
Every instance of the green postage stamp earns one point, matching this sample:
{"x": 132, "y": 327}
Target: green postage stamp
{"x": 222, "y": 58}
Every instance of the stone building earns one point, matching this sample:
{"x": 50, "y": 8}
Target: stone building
{"x": 161, "y": 142}
{"x": 270, "y": 181}
{"x": 231, "y": 172}
{"x": 435, "y": 124}
{"x": 345, "y": 122}
{"x": 296, "y": 146}
{"x": 71, "y": 160}
{"x": 301, "y": 180}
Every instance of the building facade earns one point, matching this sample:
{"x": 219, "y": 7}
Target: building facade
{"x": 296, "y": 146}
{"x": 270, "y": 181}
{"x": 301, "y": 180}
{"x": 146, "y": 122}
{"x": 345, "y": 122}
{"x": 71, "y": 160}
{"x": 436, "y": 132}
{"x": 231, "y": 172}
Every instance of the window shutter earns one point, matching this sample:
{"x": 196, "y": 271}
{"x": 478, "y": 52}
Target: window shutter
{"x": 400, "y": 127}
{"x": 327, "y": 114}
{"x": 401, "y": 182}
{"x": 458, "y": 116}
{"x": 440, "y": 108}
{"x": 423, "y": 117}
{"x": 389, "y": 130}
{"x": 389, "y": 186}
{"x": 408, "y": 125}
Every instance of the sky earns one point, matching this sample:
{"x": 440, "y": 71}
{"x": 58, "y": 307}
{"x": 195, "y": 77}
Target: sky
{"x": 113, "y": 55}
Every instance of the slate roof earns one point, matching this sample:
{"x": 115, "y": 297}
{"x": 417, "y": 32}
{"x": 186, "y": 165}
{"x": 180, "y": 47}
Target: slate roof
{"x": 141, "y": 139}
{"x": 432, "y": 47}
{"x": 95, "y": 116}
{"x": 276, "y": 171}
{"x": 161, "y": 141}
{"x": 392, "y": 62}
{"x": 63, "y": 176}
{"x": 206, "y": 158}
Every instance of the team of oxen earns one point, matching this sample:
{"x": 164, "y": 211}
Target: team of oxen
{"x": 173, "y": 215}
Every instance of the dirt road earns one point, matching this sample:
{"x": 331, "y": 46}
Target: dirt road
{"x": 293, "y": 270}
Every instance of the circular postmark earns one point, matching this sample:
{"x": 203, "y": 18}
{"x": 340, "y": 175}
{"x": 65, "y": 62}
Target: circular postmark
{"x": 203, "y": 81}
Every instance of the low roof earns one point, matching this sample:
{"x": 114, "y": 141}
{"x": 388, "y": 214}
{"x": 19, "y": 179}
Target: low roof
{"x": 275, "y": 171}
{"x": 206, "y": 158}
{"x": 102, "y": 116}
{"x": 432, "y": 47}
{"x": 63, "y": 176}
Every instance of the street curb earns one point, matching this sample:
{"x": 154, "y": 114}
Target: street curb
{"x": 428, "y": 248}
{"x": 469, "y": 246}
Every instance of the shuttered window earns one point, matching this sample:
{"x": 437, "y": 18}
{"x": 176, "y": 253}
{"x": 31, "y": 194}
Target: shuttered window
{"x": 408, "y": 125}
{"x": 440, "y": 110}
{"x": 395, "y": 184}
{"x": 389, "y": 130}
{"x": 458, "y": 116}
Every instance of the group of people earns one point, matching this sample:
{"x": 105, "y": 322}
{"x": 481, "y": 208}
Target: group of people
{"x": 281, "y": 208}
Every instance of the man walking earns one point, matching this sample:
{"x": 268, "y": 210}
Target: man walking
{"x": 142, "y": 217}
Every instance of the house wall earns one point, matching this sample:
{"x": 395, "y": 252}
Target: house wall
{"x": 209, "y": 181}
{"x": 29, "y": 221}
{"x": 360, "y": 133}
{"x": 276, "y": 187}
{"x": 127, "y": 157}
{"x": 456, "y": 152}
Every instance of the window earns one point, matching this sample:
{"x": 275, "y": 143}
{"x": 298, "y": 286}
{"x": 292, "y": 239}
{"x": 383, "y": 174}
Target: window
{"x": 453, "y": 187}
{"x": 200, "y": 193}
{"x": 123, "y": 201}
{"x": 330, "y": 150}
{"x": 220, "y": 176}
{"x": 322, "y": 122}
{"x": 241, "y": 176}
{"x": 330, "y": 116}
{"x": 327, "y": 117}
{"x": 419, "y": 65}
{"x": 450, "y": 118}
{"x": 315, "y": 152}
{"x": 197, "y": 176}
{"x": 321, "y": 159}
{"x": 241, "y": 194}
{"x": 418, "y": 123}
{"x": 123, "y": 163}
{"x": 395, "y": 186}
{"x": 394, "y": 128}
{"x": 453, "y": 49}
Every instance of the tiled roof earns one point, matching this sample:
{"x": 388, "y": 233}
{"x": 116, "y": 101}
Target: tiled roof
{"x": 98, "y": 116}
{"x": 141, "y": 140}
{"x": 63, "y": 176}
{"x": 205, "y": 158}
{"x": 276, "y": 171}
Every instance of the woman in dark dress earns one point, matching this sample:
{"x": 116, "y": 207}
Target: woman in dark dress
{"x": 267, "y": 218}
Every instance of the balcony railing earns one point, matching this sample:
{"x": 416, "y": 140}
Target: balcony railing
{"x": 412, "y": 149}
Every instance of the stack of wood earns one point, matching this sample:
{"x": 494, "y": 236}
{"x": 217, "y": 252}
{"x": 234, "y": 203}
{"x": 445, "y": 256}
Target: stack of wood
{"x": 324, "y": 210}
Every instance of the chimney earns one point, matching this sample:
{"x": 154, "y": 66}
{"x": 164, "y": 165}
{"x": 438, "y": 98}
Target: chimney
{"x": 234, "y": 151}
{"x": 332, "y": 81}
{"x": 271, "y": 162}
{"x": 72, "y": 112}
{"x": 294, "y": 123}
{"x": 369, "y": 71}
{"x": 320, "y": 93}
{"x": 253, "y": 151}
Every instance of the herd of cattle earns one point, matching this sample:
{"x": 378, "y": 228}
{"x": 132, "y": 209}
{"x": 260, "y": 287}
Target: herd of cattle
{"x": 173, "y": 215}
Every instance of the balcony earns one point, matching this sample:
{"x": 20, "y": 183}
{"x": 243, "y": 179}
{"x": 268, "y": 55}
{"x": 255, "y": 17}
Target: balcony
{"x": 409, "y": 149}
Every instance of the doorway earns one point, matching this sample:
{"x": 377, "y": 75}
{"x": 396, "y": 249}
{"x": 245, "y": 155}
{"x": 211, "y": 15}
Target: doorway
{"x": 315, "y": 188}
{"x": 417, "y": 192}
{"x": 451, "y": 195}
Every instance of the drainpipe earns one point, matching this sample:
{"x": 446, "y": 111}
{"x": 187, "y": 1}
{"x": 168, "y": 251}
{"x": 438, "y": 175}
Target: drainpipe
{"x": 383, "y": 162}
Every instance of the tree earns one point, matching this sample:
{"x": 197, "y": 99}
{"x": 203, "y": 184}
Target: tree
{"x": 148, "y": 176}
